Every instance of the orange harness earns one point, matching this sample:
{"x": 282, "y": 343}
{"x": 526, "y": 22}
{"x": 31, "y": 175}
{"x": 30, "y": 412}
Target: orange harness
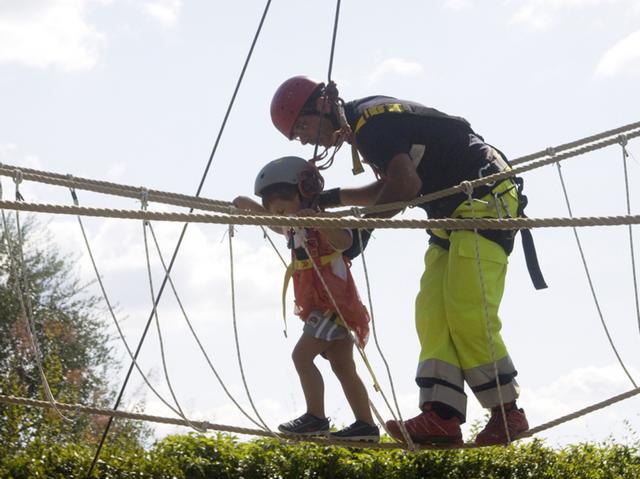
{"x": 311, "y": 295}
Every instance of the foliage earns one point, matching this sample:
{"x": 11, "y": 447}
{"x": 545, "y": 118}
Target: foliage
{"x": 197, "y": 456}
{"x": 70, "y": 333}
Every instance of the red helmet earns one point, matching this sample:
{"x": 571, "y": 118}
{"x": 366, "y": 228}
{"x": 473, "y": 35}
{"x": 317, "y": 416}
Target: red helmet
{"x": 288, "y": 101}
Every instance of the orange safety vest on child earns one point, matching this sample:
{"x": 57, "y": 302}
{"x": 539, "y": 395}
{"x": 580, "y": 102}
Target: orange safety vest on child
{"x": 310, "y": 293}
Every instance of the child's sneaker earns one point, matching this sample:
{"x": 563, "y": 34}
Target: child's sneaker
{"x": 494, "y": 432}
{"x": 358, "y": 431}
{"x": 428, "y": 428}
{"x": 306, "y": 425}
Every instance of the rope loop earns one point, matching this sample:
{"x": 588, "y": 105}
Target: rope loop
{"x": 623, "y": 140}
{"x": 17, "y": 177}
{"x": 467, "y": 187}
{"x": 144, "y": 198}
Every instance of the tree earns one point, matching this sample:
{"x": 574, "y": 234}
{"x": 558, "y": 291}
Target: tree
{"x": 71, "y": 334}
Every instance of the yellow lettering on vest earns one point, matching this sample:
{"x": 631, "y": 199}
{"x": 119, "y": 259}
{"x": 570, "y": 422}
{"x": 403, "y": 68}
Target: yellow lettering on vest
{"x": 395, "y": 108}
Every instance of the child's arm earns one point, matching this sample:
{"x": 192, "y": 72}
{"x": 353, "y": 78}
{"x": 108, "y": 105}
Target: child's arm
{"x": 339, "y": 238}
{"x": 246, "y": 203}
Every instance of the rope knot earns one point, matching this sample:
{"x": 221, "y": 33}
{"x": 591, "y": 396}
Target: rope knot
{"x": 17, "y": 177}
{"x": 623, "y": 140}
{"x": 144, "y": 198}
{"x": 551, "y": 151}
{"x": 467, "y": 187}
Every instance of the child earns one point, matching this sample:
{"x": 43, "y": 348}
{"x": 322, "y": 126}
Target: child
{"x": 289, "y": 186}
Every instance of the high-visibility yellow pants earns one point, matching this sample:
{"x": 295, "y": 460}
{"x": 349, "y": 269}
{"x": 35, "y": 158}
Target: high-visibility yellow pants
{"x": 460, "y": 339}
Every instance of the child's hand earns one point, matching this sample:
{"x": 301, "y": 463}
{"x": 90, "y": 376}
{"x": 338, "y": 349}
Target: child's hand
{"x": 244, "y": 202}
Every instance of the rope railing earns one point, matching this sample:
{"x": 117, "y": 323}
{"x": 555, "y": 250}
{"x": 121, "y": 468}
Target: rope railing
{"x": 552, "y": 158}
{"x": 326, "y": 221}
{"x": 115, "y": 189}
{"x": 551, "y": 154}
{"x": 206, "y": 425}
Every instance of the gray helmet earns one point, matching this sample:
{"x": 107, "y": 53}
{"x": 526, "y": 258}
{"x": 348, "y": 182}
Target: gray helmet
{"x": 287, "y": 169}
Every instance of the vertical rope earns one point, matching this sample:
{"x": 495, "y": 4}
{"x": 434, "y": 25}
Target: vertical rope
{"x": 468, "y": 188}
{"x": 107, "y": 301}
{"x": 236, "y": 336}
{"x": 591, "y": 286}
{"x": 193, "y": 332}
{"x": 398, "y": 419}
{"x": 165, "y": 369}
{"x": 625, "y": 155}
{"x": 17, "y": 271}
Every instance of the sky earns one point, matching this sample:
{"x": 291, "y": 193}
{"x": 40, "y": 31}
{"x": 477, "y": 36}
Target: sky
{"x": 135, "y": 92}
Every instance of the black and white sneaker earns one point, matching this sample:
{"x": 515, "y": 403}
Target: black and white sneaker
{"x": 306, "y": 425}
{"x": 358, "y": 431}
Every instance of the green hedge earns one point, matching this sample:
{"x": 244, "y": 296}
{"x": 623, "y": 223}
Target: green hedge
{"x": 195, "y": 456}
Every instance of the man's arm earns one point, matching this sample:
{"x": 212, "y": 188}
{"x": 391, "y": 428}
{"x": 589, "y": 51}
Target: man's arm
{"x": 400, "y": 183}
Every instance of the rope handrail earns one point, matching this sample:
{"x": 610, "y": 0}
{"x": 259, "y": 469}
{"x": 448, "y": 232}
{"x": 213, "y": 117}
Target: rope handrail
{"x": 326, "y": 221}
{"x": 496, "y": 177}
{"x": 574, "y": 144}
{"x": 115, "y": 189}
{"x": 79, "y": 408}
{"x": 598, "y": 141}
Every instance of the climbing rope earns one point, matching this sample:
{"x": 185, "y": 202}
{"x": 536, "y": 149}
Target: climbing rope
{"x": 590, "y": 281}
{"x": 625, "y": 154}
{"x": 236, "y": 336}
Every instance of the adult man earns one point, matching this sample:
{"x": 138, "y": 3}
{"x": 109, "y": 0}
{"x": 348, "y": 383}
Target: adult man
{"x": 415, "y": 150}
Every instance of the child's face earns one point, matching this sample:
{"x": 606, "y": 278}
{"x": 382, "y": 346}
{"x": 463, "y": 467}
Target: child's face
{"x": 281, "y": 206}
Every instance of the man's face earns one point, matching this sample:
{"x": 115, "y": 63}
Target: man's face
{"x": 305, "y": 130}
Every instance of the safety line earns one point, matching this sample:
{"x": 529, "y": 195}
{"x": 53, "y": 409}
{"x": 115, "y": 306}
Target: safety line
{"x": 590, "y": 281}
{"x": 184, "y": 229}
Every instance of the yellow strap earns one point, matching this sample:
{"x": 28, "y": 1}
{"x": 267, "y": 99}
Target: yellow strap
{"x": 355, "y": 159}
{"x": 299, "y": 264}
{"x": 287, "y": 277}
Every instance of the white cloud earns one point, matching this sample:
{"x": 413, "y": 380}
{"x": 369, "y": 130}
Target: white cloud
{"x": 623, "y": 57}
{"x": 396, "y": 66}
{"x": 541, "y": 14}
{"x": 457, "y": 5}
{"x": 164, "y": 11}
{"x": 54, "y": 33}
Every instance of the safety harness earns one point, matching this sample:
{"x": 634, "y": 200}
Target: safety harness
{"x": 502, "y": 237}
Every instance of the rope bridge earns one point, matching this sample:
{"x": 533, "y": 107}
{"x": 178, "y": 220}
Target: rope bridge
{"x": 222, "y": 212}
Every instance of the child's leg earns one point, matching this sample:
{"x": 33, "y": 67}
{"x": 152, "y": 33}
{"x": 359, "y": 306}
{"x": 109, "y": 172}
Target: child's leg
{"x": 340, "y": 356}
{"x": 311, "y": 381}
